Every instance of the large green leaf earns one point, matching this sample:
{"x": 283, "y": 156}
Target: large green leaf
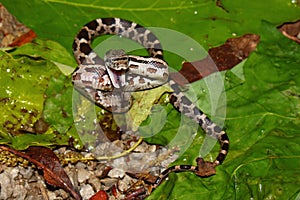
{"x": 26, "y": 74}
{"x": 262, "y": 112}
{"x": 202, "y": 20}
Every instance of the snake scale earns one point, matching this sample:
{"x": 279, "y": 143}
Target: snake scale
{"x": 109, "y": 83}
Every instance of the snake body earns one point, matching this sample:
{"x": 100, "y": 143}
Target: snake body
{"x": 108, "y": 83}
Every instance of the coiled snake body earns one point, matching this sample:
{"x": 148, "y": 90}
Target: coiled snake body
{"x": 108, "y": 83}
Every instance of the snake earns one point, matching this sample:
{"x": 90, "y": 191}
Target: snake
{"x": 109, "y": 82}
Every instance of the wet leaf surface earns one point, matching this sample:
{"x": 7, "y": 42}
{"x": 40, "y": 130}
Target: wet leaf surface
{"x": 26, "y": 75}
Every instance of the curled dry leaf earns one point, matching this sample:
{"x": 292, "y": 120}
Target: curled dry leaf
{"x": 291, "y": 30}
{"x": 48, "y": 162}
{"x": 12, "y": 32}
{"x": 54, "y": 174}
{"x": 143, "y": 176}
{"x": 224, "y": 57}
{"x": 139, "y": 193}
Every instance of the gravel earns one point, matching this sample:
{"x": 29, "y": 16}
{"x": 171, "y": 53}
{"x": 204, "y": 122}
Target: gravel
{"x": 27, "y": 183}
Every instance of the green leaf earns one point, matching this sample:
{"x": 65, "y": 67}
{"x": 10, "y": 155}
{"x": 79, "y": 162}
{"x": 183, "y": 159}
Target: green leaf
{"x": 28, "y": 76}
{"x": 58, "y": 106}
{"x": 202, "y": 20}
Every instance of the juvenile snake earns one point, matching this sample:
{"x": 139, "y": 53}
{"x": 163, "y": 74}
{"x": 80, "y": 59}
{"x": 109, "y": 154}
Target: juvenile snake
{"x": 108, "y": 83}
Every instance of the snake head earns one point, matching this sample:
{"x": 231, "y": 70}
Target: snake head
{"x": 116, "y": 59}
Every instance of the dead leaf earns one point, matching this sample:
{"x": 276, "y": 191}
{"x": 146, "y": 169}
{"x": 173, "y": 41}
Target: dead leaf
{"x": 100, "y": 195}
{"x": 143, "y": 176}
{"x": 12, "y": 32}
{"x": 139, "y": 193}
{"x": 291, "y": 30}
{"x": 224, "y": 57}
{"x": 54, "y": 174}
{"x": 48, "y": 162}
{"x": 23, "y": 39}
{"x": 205, "y": 169}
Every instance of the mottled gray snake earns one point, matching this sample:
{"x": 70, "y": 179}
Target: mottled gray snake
{"x": 109, "y": 83}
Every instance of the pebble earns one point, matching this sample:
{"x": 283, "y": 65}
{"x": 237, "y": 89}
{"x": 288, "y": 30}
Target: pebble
{"x": 25, "y": 182}
{"x": 95, "y": 183}
{"x": 116, "y": 173}
{"x": 82, "y": 175}
{"x": 7, "y": 191}
{"x": 87, "y": 191}
{"x": 20, "y": 192}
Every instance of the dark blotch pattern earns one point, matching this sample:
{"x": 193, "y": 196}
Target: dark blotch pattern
{"x": 175, "y": 87}
{"x": 198, "y": 112}
{"x": 109, "y": 21}
{"x": 74, "y": 46}
{"x": 113, "y": 29}
{"x": 217, "y": 129}
{"x": 157, "y": 182}
{"x": 168, "y": 170}
{"x": 221, "y": 157}
{"x": 224, "y": 137}
{"x": 92, "y": 25}
{"x": 173, "y": 99}
{"x": 83, "y": 34}
{"x": 209, "y": 131}
{"x": 185, "y": 109}
{"x": 81, "y": 59}
{"x": 208, "y": 122}
{"x": 225, "y": 146}
{"x": 186, "y": 101}
{"x": 85, "y": 48}
{"x": 159, "y": 56}
{"x": 185, "y": 167}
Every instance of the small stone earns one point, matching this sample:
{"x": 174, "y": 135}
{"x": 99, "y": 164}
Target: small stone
{"x": 83, "y": 175}
{"x": 6, "y": 191}
{"x": 99, "y": 170}
{"x": 141, "y": 148}
{"x": 108, "y": 182}
{"x": 61, "y": 194}
{"x": 116, "y": 173}
{"x": 14, "y": 172}
{"x": 51, "y": 195}
{"x": 20, "y": 192}
{"x": 95, "y": 182}
{"x": 72, "y": 173}
{"x": 27, "y": 173}
{"x": 125, "y": 183}
{"x": 80, "y": 165}
{"x": 87, "y": 191}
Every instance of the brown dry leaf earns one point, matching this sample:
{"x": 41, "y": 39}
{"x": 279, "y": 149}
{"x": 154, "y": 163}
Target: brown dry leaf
{"x": 54, "y": 174}
{"x": 225, "y": 57}
{"x": 139, "y": 193}
{"x": 291, "y": 30}
{"x": 12, "y": 32}
{"x": 205, "y": 169}
{"x": 47, "y": 161}
{"x": 100, "y": 195}
{"x": 143, "y": 176}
